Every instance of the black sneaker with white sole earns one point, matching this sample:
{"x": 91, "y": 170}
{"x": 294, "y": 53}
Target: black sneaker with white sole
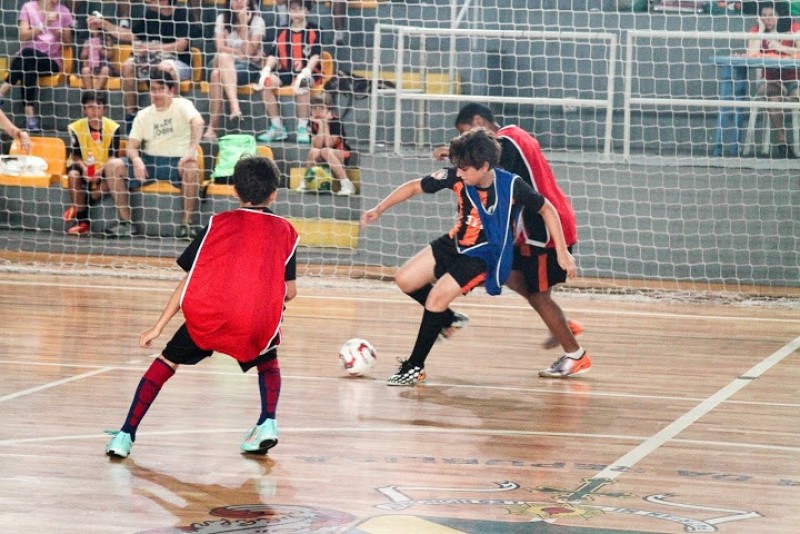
{"x": 407, "y": 375}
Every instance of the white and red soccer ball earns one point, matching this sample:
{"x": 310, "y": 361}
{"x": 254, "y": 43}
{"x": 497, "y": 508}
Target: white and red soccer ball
{"x": 357, "y": 356}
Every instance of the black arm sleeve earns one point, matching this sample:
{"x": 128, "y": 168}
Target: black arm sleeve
{"x": 186, "y": 259}
{"x": 525, "y": 196}
{"x": 441, "y": 179}
{"x": 291, "y": 268}
{"x": 512, "y": 161}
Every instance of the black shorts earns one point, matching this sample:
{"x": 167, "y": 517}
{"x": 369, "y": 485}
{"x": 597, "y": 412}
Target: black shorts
{"x": 539, "y": 267}
{"x": 182, "y": 350}
{"x": 469, "y": 272}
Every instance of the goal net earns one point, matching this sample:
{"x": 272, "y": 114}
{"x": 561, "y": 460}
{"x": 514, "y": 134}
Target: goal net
{"x": 676, "y": 159}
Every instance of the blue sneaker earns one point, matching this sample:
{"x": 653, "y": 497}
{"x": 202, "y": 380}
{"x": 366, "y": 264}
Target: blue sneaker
{"x": 261, "y": 438}
{"x": 120, "y": 444}
{"x": 274, "y": 134}
{"x": 303, "y": 137}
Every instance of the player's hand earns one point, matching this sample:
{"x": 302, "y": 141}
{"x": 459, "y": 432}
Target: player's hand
{"x": 567, "y": 262}
{"x": 146, "y": 338}
{"x": 441, "y": 153}
{"x": 25, "y": 141}
{"x": 139, "y": 170}
{"x": 191, "y": 156}
{"x": 264, "y": 79}
{"x": 370, "y": 216}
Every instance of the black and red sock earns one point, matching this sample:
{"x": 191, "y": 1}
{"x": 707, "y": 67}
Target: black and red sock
{"x": 269, "y": 384}
{"x": 149, "y": 386}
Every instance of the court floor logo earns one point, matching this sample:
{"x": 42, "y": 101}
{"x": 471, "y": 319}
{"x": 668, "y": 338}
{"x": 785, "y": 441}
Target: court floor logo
{"x": 566, "y": 503}
{"x": 260, "y": 518}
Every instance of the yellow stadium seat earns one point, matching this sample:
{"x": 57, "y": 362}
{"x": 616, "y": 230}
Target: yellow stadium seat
{"x": 52, "y": 150}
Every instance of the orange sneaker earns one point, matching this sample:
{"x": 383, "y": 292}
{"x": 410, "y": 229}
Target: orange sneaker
{"x": 565, "y": 367}
{"x": 551, "y": 342}
{"x": 82, "y": 228}
{"x": 71, "y": 213}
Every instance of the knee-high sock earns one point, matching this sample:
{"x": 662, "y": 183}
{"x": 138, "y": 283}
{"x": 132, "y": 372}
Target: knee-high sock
{"x": 430, "y": 327}
{"x": 149, "y": 386}
{"x": 421, "y": 295}
{"x": 269, "y": 384}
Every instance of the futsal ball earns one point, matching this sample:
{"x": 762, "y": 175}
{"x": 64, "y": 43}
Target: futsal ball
{"x": 318, "y": 178}
{"x": 357, "y": 356}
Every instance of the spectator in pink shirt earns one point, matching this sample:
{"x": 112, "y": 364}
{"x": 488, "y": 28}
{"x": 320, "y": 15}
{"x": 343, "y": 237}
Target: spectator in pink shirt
{"x": 45, "y": 27}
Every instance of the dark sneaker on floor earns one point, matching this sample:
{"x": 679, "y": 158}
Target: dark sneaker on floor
{"x": 407, "y": 375}
{"x": 187, "y": 231}
{"x": 121, "y": 229}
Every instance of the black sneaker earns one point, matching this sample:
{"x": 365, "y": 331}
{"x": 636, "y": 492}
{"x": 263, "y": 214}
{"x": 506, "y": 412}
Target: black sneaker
{"x": 121, "y": 229}
{"x": 407, "y": 375}
{"x": 783, "y": 152}
{"x": 187, "y": 231}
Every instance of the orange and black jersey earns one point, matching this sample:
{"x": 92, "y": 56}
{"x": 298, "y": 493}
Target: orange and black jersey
{"x": 294, "y": 48}
{"x": 468, "y": 230}
{"x": 335, "y": 129}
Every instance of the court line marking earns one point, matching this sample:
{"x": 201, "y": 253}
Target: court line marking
{"x": 378, "y": 383}
{"x": 397, "y": 299}
{"x": 404, "y": 429}
{"x": 669, "y": 432}
{"x": 49, "y": 385}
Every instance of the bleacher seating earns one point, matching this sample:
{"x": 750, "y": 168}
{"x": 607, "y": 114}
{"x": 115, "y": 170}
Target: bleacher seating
{"x": 123, "y": 52}
{"x": 328, "y": 67}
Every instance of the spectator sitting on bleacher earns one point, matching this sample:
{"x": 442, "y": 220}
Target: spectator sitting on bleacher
{"x": 293, "y": 59}
{"x": 94, "y": 149}
{"x": 328, "y": 143}
{"x": 777, "y": 83}
{"x": 159, "y": 34}
{"x": 238, "y": 35}
{"x": 167, "y": 133}
{"x": 16, "y": 133}
{"x": 44, "y": 30}
{"x": 95, "y": 67}
{"x": 338, "y": 13}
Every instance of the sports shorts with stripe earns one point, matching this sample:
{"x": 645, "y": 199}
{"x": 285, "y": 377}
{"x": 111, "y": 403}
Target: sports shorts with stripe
{"x": 539, "y": 267}
{"x": 467, "y": 271}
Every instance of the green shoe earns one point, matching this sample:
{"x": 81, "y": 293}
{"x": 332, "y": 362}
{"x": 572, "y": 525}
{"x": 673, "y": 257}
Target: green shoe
{"x": 261, "y": 438}
{"x": 120, "y": 444}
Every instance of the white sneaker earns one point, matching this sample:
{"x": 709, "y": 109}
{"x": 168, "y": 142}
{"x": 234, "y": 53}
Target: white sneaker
{"x": 346, "y": 189}
{"x": 302, "y": 187}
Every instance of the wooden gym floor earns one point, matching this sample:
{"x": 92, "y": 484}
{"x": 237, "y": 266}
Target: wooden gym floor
{"x": 688, "y": 422}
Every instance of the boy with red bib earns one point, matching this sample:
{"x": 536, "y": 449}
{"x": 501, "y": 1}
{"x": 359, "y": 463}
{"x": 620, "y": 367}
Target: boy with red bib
{"x": 238, "y": 312}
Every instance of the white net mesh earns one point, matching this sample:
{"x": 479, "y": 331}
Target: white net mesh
{"x": 653, "y": 123}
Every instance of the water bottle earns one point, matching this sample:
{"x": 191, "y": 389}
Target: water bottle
{"x": 90, "y": 166}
